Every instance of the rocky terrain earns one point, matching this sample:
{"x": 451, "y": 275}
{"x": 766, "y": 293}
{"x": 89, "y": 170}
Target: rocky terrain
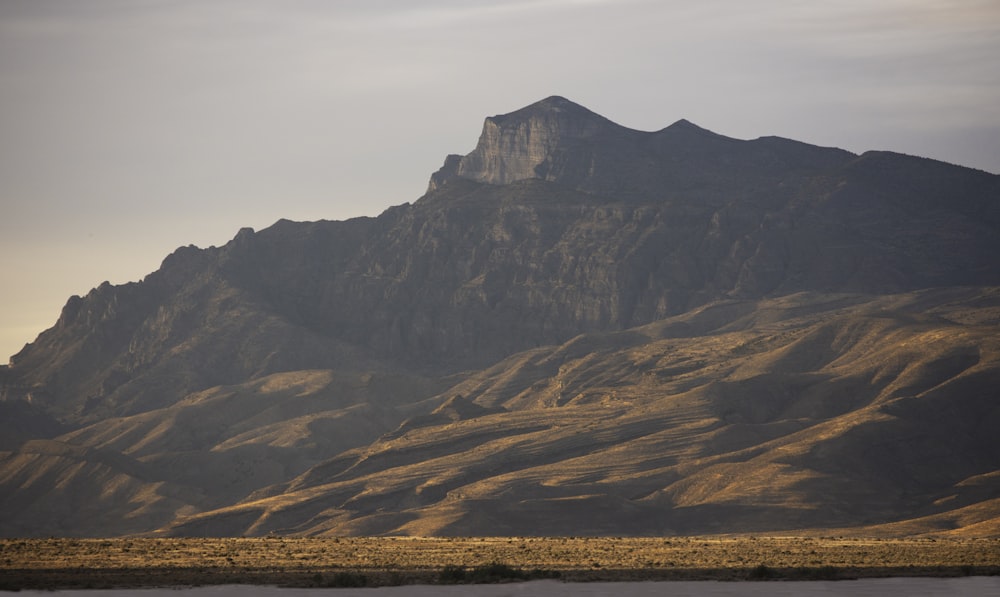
{"x": 580, "y": 329}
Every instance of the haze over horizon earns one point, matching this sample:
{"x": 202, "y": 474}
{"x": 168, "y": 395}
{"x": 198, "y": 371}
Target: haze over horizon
{"x": 129, "y": 129}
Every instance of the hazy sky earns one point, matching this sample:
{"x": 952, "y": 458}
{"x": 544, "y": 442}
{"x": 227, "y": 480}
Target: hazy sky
{"x": 131, "y": 127}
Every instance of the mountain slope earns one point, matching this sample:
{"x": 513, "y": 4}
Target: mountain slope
{"x": 793, "y": 413}
{"x": 131, "y": 474}
{"x": 473, "y": 272}
{"x": 557, "y": 271}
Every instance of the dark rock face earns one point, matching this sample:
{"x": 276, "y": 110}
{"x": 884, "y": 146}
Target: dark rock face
{"x": 559, "y": 223}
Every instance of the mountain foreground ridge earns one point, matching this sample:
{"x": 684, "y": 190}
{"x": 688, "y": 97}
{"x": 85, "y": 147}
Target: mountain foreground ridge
{"x": 580, "y": 329}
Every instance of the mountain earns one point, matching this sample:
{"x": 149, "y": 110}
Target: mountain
{"x": 579, "y": 329}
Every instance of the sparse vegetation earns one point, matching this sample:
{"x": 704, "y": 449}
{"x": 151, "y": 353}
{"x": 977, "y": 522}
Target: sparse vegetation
{"x": 491, "y": 574}
{"x": 761, "y": 572}
{"x": 367, "y": 561}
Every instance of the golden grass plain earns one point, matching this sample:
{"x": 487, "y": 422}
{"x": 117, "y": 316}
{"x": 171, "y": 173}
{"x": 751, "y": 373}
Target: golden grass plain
{"x": 137, "y": 562}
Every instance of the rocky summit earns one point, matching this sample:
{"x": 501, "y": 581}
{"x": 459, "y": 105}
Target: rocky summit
{"x": 580, "y": 329}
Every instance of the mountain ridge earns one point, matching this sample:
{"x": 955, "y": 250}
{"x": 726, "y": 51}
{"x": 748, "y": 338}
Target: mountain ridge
{"x": 559, "y": 141}
{"x": 569, "y": 290}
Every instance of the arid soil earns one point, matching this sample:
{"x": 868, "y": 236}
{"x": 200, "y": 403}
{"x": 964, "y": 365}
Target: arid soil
{"x": 143, "y": 562}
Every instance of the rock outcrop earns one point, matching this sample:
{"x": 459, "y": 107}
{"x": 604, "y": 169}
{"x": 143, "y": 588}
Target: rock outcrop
{"x": 539, "y": 141}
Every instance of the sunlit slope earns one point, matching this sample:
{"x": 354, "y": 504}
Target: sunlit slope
{"x": 804, "y": 412}
{"x": 212, "y": 448}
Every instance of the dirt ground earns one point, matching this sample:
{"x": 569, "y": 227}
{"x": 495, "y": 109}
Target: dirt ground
{"x": 145, "y": 562}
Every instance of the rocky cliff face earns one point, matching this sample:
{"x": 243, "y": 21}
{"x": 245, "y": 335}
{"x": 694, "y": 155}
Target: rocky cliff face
{"x": 559, "y": 223}
{"x": 533, "y": 142}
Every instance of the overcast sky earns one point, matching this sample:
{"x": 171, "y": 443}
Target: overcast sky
{"x": 131, "y": 127}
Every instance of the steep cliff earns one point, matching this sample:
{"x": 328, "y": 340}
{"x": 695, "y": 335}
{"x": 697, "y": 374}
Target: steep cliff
{"x": 533, "y": 142}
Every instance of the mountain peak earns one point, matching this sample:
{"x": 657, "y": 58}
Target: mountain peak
{"x": 526, "y": 143}
{"x": 558, "y": 140}
{"x": 554, "y": 106}
{"x": 685, "y": 125}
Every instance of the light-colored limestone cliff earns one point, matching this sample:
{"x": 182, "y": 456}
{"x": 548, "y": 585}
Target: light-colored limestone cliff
{"x": 528, "y": 143}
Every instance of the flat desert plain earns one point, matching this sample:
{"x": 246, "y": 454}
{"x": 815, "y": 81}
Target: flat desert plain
{"x": 377, "y": 561}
